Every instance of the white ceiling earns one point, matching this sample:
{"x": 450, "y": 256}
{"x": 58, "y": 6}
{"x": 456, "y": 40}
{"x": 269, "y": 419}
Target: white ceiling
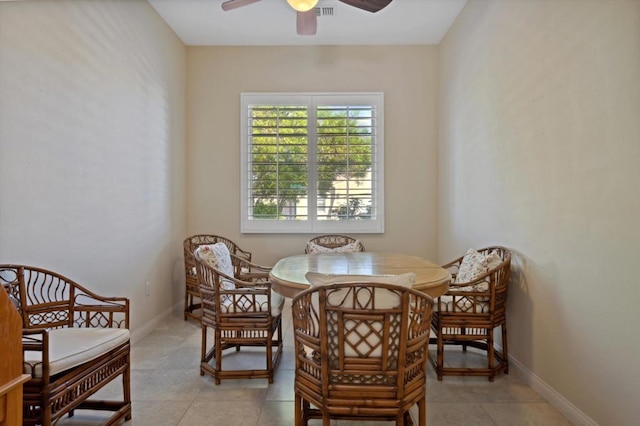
{"x": 273, "y": 22}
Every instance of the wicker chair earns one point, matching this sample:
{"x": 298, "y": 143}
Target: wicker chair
{"x": 247, "y": 315}
{"x": 74, "y": 343}
{"x": 192, "y": 292}
{"x": 334, "y": 242}
{"x": 361, "y": 352}
{"x": 468, "y": 314}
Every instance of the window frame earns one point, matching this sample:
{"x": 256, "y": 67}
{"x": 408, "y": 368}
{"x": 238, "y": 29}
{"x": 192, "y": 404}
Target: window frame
{"x": 312, "y": 224}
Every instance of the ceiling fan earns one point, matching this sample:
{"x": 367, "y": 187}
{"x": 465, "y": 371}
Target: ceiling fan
{"x": 307, "y": 23}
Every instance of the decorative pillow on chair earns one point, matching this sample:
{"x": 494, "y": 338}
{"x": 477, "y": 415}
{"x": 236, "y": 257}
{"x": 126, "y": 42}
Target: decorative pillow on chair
{"x": 493, "y": 260}
{"x": 217, "y": 256}
{"x": 473, "y": 265}
{"x": 314, "y": 248}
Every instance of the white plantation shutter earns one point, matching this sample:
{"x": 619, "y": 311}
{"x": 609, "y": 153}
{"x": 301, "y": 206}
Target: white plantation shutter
{"x": 278, "y": 152}
{"x": 312, "y": 163}
{"x": 345, "y": 160}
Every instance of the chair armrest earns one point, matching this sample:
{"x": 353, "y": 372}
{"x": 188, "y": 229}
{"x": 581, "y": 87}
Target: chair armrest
{"x": 249, "y": 271}
{"x": 243, "y": 253}
{"x": 91, "y": 310}
{"x": 36, "y": 340}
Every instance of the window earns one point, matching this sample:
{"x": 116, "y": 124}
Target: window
{"x": 312, "y": 162}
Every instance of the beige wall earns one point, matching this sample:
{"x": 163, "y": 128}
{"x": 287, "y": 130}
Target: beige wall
{"x": 540, "y": 151}
{"x": 406, "y": 75}
{"x": 92, "y": 146}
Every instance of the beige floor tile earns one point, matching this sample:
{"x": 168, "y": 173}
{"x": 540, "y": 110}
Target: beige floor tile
{"x": 276, "y": 413}
{"x": 282, "y": 387}
{"x": 227, "y": 391}
{"x": 525, "y": 414}
{"x": 450, "y": 389}
{"x": 448, "y": 413}
{"x": 85, "y": 418}
{"x": 221, "y": 413}
{"x": 165, "y": 385}
{"x": 158, "y": 413}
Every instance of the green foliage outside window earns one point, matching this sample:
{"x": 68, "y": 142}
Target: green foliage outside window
{"x": 280, "y": 151}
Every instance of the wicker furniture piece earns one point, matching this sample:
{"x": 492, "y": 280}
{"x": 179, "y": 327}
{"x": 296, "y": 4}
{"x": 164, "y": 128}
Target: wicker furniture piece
{"x": 192, "y": 292}
{"x": 247, "y": 315}
{"x": 11, "y": 377}
{"x": 468, "y": 314}
{"x": 333, "y": 242}
{"x": 74, "y": 343}
{"x": 361, "y": 352}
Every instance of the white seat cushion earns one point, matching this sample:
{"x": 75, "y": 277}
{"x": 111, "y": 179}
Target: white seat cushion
{"x": 70, "y": 347}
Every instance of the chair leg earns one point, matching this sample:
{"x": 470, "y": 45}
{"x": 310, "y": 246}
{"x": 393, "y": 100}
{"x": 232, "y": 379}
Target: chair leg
{"x": 422, "y": 412}
{"x": 505, "y": 351}
{"x": 463, "y": 330}
{"x": 298, "y": 411}
{"x": 270, "y": 355}
{"x": 186, "y": 305}
{"x": 305, "y": 412}
{"x": 45, "y": 414}
{"x": 203, "y": 348}
{"x": 326, "y": 420}
{"x": 440, "y": 355}
{"x": 126, "y": 385}
{"x": 490, "y": 353}
{"x": 218, "y": 355}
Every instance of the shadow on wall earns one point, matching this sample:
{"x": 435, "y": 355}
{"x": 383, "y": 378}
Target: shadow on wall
{"x": 527, "y": 322}
{"x": 177, "y": 279}
{"x": 519, "y": 310}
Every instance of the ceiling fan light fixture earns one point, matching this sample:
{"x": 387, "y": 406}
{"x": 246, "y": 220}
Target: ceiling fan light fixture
{"x": 302, "y": 5}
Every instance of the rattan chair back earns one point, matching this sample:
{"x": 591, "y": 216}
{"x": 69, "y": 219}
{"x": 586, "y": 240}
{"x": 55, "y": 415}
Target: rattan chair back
{"x": 192, "y": 292}
{"x": 334, "y": 241}
{"x": 361, "y": 352}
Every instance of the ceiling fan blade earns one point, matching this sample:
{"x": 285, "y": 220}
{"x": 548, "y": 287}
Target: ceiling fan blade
{"x": 368, "y": 5}
{"x": 307, "y": 22}
{"x": 234, "y": 4}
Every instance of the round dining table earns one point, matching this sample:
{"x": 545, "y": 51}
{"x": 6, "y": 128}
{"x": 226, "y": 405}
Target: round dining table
{"x": 288, "y": 274}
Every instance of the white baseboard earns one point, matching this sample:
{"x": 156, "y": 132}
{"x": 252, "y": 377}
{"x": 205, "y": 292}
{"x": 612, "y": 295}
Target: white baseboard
{"x": 559, "y": 402}
{"x": 148, "y": 327}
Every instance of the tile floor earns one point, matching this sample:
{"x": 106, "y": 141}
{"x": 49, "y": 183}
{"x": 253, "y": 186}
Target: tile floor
{"x": 167, "y": 389}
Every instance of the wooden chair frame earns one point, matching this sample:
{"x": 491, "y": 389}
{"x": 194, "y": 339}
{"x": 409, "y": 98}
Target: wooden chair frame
{"x": 192, "y": 290}
{"x": 48, "y": 300}
{"x": 469, "y": 328}
{"x": 333, "y": 241}
{"x": 337, "y": 380}
{"x": 238, "y": 317}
